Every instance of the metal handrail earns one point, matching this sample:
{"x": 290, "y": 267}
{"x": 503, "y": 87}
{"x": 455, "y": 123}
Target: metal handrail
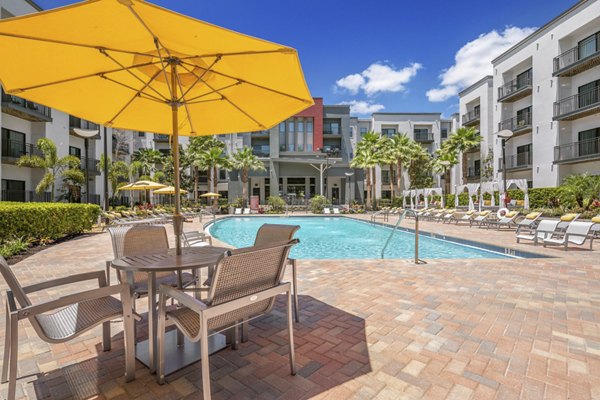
{"x": 416, "y": 215}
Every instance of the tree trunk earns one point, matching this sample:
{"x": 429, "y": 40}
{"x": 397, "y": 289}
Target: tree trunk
{"x": 374, "y": 187}
{"x": 368, "y": 171}
{"x": 399, "y": 177}
{"x": 464, "y": 168}
{"x": 208, "y": 182}
{"x": 244, "y": 186}
{"x": 215, "y": 183}
{"x": 196, "y": 185}
{"x": 447, "y": 181}
{"x": 391, "y": 182}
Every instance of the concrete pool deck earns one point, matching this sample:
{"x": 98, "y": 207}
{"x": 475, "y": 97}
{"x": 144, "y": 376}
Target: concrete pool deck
{"x": 387, "y": 329}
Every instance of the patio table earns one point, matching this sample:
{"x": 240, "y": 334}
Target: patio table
{"x": 176, "y": 356}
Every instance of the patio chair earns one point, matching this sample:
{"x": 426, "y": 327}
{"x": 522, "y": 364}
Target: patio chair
{"x": 245, "y": 285}
{"x": 447, "y": 217}
{"x": 566, "y": 219}
{"x": 196, "y": 239}
{"x": 481, "y": 218}
{"x": 438, "y": 214}
{"x": 246, "y": 211}
{"x": 336, "y": 210}
{"x": 237, "y": 211}
{"x": 508, "y": 221}
{"x": 463, "y": 217}
{"x": 326, "y": 210}
{"x": 545, "y": 230}
{"x": 62, "y": 319}
{"x": 577, "y": 233}
{"x": 529, "y": 222}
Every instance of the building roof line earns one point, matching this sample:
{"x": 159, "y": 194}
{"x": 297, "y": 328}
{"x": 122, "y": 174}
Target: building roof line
{"x": 475, "y": 85}
{"x": 407, "y": 113}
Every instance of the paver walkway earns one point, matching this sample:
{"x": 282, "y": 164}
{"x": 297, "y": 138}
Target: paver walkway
{"x": 456, "y": 329}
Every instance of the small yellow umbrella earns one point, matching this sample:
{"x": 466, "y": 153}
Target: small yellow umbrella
{"x": 210, "y": 194}
{"x": 169, "y": 190}
{"x": 143, "y": 185}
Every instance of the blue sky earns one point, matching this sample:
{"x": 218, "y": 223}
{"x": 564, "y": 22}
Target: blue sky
{"x": 382, "y": 55}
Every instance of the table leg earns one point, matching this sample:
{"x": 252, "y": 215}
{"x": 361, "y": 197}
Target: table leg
{"x": 152, "y": 321}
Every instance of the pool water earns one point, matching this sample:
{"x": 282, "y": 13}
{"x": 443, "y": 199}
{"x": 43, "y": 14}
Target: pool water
{"x": 345, "y": 238}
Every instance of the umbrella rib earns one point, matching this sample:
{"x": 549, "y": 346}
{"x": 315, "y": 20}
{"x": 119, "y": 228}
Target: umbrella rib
{"x": 256, "y": 85}
{"x": 132, "y": 74}
{"x": 99, "y": 74}
{"x": 145, "y": 95}
{"x": 87, "y": 46}
{"x": 211, "y": 92}
{"x": 112, "y": 120}
{"x": 204, "y": 101}
{"x": 199, "y": 78}
{"x": 187, "y": 111}
{"x": 241, "y": 53}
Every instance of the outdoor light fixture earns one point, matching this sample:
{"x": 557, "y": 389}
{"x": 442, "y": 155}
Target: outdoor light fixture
{"x": 505, "y": 135}
{"x": 87, "y": 134}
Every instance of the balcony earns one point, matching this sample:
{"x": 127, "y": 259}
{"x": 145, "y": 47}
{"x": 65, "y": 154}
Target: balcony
{"x": 25, "y": 196}
{"x": 473, "y": 174}
{"x": 12, "y": 150}
{"x": 585, "y": 150}
{"x": 518, "y": 125}
{"x": 25, "y": 109}
{"x": 578, "y": 106}
{"x": 332, "y": 151}
{"x": 578, "y": 59}
{"x": 516, "y": 162}
{"x": 471, "y": 118}
{"x": 92, "y": 165}
{"x": 161, "y": 138}
{"x": 424, "y": 137}
{"x": 79, "y": 123}
{"x": 516, "y": 89}
{"x": 332, "y": 132}
{"x": 263, "y": 151}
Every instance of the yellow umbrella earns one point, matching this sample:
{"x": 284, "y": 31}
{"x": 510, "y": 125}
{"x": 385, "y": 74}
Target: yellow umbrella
{"x": 210, "y": 194}
{"x": 133, "y": 65}
{"x": 169, "y": 190}
{"x": 142, "y": 185}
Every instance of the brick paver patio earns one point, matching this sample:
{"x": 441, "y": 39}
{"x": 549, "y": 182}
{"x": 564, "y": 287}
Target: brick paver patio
{"x": 455, "y": 329}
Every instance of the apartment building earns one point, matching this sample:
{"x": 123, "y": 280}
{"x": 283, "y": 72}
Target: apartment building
{"x": 547, "y": 91}
{"x": 476, "y": 110}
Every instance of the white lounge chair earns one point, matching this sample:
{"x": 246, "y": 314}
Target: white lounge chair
{"x": 336, "y": 210}
{"x": 246, "y": 211}
{"x": 508, "y": 221}
{"x": 463, "y": 217}
{"x": 529, "y": 222}
{"x": 196, "y": 239}
{"x": 238, "y": 211}
{"x": 596, "y": 227}
{"x": 481, "y": 218}
{"x": 577, "y": 233}
{"x": 326, "y": 210}
{"x": 566, "y": 220}
{"x": 545, "y": 230}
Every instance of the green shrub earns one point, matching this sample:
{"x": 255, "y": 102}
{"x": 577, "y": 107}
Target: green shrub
{"x": 317, "y": 204}
{"x": 276, "y": 204}
{"x": 237, "y": 203}
{"x": 45, "y": 221}
{"x": 12, "y": 247}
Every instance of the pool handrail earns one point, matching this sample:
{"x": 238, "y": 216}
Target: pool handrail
{"x": 400, "y": 219}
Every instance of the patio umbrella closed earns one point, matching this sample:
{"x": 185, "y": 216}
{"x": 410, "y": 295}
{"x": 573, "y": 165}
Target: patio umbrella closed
{"x": 130, "y": 64}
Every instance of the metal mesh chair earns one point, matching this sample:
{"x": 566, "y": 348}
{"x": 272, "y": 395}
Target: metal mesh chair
{"x": 275, "y": 233}
{"x": 62, "y": 319}
{"x": 244, "y": 286}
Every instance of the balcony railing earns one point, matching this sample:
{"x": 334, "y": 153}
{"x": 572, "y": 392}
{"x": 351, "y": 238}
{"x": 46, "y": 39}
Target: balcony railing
{"x": 518, "y": 124}
{"x": 332, "y": 151}
{"x": 25, "y": 196}
{"x": 13, "y": 149}
{"x": 473, "y": 173}
{"x": 337, "y": 132}
{"x": 516, "y": 161}
{"x": 580, "y": 58}
{"x": 25, "y": 109}
{"x": 424, "y": 137}
{"x": 471, "y": 117}
{"x": 578, "y": 105}
{"x": 161, "y": 138}
{"x": 516, "y": 89}
{"x": 584, "y": 149}
{"x": 75, "y": 122}
{"x": 261, "y": 151}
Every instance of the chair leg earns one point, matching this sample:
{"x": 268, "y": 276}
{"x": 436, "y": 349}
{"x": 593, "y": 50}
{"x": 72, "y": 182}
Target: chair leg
{"x": 129, "y": 334}
{"x": 7, "y": 343}
{"x": 244, "y": 329}
{"x": 204, "y": 360}
{"x": 160, "y": 368}
{"x": 291, "y": 334}
{"x": 106, "y": 336}
{"x": 295, "y": 287}
{"x": 14, "y": 348}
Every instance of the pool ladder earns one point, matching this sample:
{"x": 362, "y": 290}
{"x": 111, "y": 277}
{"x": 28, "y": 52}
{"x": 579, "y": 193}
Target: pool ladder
{"x": 387, "y": 242}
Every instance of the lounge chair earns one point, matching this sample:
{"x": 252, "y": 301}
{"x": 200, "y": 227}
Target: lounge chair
{"x": 246, "y": 211}
{"x": 438, "y": 214}
{"x": 577, "y": 233}
{"x": 326, "y": 210}
{"x": 245, "y": 285}
{"x": 565, "y": 221}
{"x": 237, "y": 211}
{"x": 447, "y": 217}
{"x": 196, "y": 239}
{"x": 545, "y": 230}
{"x": 336, "y": 210}
{"x": 481, "y": 218}
{"x": 63, "y": 319}
{"x": 596, "y": 227}
{"x": 508, "y": 221}
{"x": 529, "y": 222}
{"x": 460, "y": 217}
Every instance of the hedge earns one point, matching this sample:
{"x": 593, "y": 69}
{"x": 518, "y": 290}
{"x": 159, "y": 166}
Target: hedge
{"x": 45, "y": 221}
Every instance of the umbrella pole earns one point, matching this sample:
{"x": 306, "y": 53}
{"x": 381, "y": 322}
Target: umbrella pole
{"x": 177, "y": 218}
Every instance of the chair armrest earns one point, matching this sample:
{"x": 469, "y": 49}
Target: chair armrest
{"x": 36, "y": 309}
{"x": 188, "y": 301}
{"x": 86, "y": 276}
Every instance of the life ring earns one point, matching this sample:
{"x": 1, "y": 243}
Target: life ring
{"x": 502, "y": 212}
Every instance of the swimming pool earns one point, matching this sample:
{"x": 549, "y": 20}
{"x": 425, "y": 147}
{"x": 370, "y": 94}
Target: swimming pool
{"x": 345, "y": 238}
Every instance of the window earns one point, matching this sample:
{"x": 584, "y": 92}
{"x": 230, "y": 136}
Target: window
{"x": 290, "y": 136}
{"x": 524, "y": 117}
{"x": 331, "y": 127}
{"x": 524, "y": 79}
{"x": 309, "y": 134}
{"x": 589, "y": 142}
{"x": 477, "y": 167}
{"x": 524, "y": 155}
{"x": 222, "y": 175}
{"x": 75, "y": 151}
{"x": 385, "y": 177}
{"x": 13, "y": 190}
{"x": 588, "y": 46}
{"x": 444, "y": 133}
{"x": 588, "y": 93}
{"x": 296, "y": 134}
{"x": 363, "y": 131}
{"x": 282, "y": 136}
{"x": 300, "y": 135}
{"x": 141, "y": 134}
{"x": 13, "y": 143}
{"x": 389, "y": 132}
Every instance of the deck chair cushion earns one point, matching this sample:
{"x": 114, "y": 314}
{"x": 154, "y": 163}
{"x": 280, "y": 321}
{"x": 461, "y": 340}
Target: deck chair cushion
{"x": 532, "y": 215}
{"x": 510, "y": 214}
{"x": 568, "y": 217}
{"x": 596, "y": 219}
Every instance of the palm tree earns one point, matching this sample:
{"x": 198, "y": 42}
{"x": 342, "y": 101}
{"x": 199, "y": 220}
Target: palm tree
{"x": 68, "y": 166}
{"x": 444, "y": 159}
{"x": 463, "y": 140}
{"x": 196, "y": 147}
{"x": 367, "y": 157}
{"x": 117, "y": 171}
{"x": 419, "y": 166}
{"x": 403, "y": 150}
{"x": 147, "y": 158}
{"x": 389, "y": 157}
{"x": 245, "y": 161}
{"x": 211, "y": 160}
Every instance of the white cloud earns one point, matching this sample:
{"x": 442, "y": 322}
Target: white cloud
{"x": 473, "y": 61}
{"x": 363, "y": 107}
{"x": 379, "y": 78}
